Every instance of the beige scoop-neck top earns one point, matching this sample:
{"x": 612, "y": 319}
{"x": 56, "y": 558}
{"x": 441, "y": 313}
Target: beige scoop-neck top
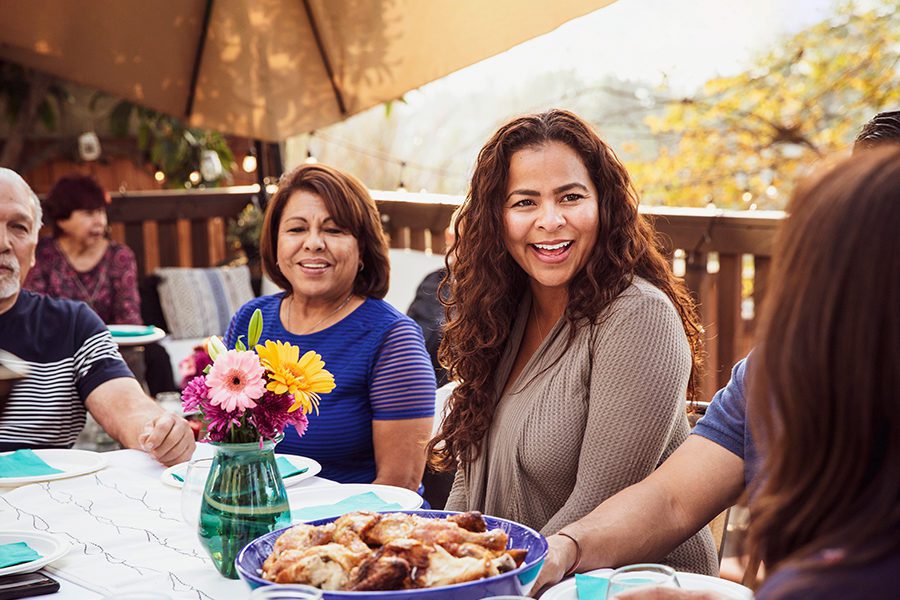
{"x": 569, "y": 434}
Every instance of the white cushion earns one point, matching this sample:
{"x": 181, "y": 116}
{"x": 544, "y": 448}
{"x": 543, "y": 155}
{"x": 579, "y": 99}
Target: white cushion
{"x": 408, "y": 269}
{"x": 200, "y": 302}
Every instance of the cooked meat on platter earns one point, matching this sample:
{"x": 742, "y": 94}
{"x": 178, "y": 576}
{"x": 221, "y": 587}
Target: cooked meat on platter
{"x": 365, "y": 551}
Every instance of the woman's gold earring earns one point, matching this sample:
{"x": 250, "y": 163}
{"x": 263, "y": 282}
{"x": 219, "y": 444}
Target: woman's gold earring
{"x": 361, "y": 266}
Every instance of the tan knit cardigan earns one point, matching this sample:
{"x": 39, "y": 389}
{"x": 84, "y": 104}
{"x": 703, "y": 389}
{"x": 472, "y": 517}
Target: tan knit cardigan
{"x": 602, "y": 417}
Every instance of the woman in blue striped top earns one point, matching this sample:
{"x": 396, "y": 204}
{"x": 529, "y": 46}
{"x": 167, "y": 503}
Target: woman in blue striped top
{"x": 322, "y": 243}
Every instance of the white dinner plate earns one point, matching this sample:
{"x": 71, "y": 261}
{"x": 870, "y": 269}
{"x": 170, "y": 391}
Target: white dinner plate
{"x": 71, "y": 462}
{"x": 565, "y": 590}
{"x": 135, "y": 340}
{"x": 49, "y": 546}
{"x": 313, "y": 468}
{"x": 323, "y": 496}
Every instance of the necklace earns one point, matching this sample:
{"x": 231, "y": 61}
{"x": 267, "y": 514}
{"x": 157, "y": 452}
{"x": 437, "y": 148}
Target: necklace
{"x": 320, "y": 321}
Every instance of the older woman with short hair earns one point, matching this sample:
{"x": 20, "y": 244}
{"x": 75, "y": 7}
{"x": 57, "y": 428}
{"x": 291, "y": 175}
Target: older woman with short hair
{"x": 322, "y": 243}
{"x": 79, "y": 261}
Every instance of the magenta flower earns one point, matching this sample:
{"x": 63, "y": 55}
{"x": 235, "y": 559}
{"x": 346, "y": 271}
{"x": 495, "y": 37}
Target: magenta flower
{"x": 194, "y": 394}
{"x": 299, "y": 421}
{"x": 219, "y": 422}
{"x": 236, "y": 380}
{"x": 270, "y": 416}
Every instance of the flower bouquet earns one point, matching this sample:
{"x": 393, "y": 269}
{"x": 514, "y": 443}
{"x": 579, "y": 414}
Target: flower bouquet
{"x": 246, "y": 398}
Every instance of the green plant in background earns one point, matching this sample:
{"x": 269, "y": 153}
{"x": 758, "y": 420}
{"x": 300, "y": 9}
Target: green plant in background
{"x": 173, "y": 147}
{"x": 245, "y": 230}
{"x": 28, "y": 97}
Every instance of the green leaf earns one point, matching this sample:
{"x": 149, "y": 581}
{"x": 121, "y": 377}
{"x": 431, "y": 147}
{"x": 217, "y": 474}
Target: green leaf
{"x": 120, "y": 118}
{"x": 239, "y": 345}
{"x": 207, "y": 369}
{"x": 255, "y": 329}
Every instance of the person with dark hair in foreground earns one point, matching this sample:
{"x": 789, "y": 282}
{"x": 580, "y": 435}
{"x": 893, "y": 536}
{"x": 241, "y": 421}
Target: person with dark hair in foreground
{"x": 323, "y": 244}
{"x": 574, "y": 344}
{"x": 683, "y": 493}
{"x": 883, "y": 128}
{"x": 72, "y": 362}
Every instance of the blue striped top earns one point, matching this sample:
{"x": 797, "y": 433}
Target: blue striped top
{"x": 381, "y": 371}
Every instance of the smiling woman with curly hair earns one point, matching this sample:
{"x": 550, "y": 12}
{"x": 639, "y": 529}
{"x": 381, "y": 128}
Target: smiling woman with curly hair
{"x": 574, "y": 345}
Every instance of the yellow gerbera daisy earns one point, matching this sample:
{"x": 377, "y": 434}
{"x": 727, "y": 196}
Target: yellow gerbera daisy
{"x": 303, "y": 377}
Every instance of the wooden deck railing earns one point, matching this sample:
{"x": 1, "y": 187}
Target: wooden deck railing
{"x": 723, "y": 255}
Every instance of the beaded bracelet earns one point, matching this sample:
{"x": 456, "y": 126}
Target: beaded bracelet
{"x": 571, "y": 570}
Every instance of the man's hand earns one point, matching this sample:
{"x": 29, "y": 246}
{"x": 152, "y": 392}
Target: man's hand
{"x": 168, "y": 438}
{"x": 136, "y": 421}
{"x": 560, "y": 557}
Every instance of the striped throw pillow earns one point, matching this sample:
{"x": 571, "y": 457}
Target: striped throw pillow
{"x": 200, "y": 302}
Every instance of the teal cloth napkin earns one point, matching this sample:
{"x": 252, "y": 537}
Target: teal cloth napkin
{"x": 591, "y": 587}
{"x": 287, "y": 468}
{"x": 148, "y": 330}
{"x": 16, "y": 554}
{"x": 366, "y": 501}
{"x": 24, "y": 463}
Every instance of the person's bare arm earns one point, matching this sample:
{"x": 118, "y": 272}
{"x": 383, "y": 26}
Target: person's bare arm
{"x": 647, "y": 520}
{"x": 400, "y": 451}
{"x": 136, "y": 421}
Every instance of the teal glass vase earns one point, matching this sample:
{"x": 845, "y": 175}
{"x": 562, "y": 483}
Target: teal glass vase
{"x": 244, "y": 498}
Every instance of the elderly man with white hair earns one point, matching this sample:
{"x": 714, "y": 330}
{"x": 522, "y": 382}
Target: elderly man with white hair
{"x": 73, "y": 364}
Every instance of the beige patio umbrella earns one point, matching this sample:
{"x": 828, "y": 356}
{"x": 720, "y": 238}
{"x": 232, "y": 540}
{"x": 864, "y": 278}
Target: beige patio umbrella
{"x": 267, "y": 69}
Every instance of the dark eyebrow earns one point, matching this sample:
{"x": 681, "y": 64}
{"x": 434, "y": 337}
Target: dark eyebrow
{"x": 559, "y": 190}
{"x": 305, "y": 220}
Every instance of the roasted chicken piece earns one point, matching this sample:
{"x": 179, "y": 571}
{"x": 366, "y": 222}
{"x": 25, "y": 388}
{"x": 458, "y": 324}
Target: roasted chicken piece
{"x": 446, "y": 569}
{"x": 299, "y": 537}
{"x": 379, "y": 572}
{"x": 327, "y": 567}
{"x": 450, "y": 535}
{"x": 504, "y": 561}
{"x": 352, "y": 527}
{"x": 391, "y": 526}
{"x": 470, "y": 521}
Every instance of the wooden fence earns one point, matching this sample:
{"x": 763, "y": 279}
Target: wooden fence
{"x": 724, "y": 256}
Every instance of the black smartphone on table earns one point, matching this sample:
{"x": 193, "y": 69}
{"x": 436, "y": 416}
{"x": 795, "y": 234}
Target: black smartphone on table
{"x": 26, "y": 585}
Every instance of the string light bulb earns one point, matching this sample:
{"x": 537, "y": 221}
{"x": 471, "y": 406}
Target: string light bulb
{"x": 159, "y": 176}
{"x": 400, "y": 186}
{"x": 249, "y": 163}
{"x": 195, "y": 177}
{"x": 310, "y": 158}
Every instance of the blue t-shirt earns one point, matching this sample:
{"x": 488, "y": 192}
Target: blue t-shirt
{"x": 381, "y": 372}
{"x": 68, "y": 352}
{"x": 725, "y": 422}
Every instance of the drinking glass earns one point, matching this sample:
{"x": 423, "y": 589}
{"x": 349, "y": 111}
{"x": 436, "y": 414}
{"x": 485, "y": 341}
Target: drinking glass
{"x": 642, "y": 576}
{"x": 192, "y": 489}
{"x": 290, "y": 591}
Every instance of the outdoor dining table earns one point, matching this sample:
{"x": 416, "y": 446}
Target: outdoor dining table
{"x": 125, "y": 529}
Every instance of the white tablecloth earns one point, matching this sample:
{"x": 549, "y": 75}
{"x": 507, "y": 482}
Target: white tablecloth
{"x": 126, "y": 532}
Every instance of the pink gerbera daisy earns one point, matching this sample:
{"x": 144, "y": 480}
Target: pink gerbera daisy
{"x": 235, "y": 381}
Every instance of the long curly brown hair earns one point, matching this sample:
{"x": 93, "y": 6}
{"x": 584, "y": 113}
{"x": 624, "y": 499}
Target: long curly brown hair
{"x": 486, "y": 284}
{"x": 824, "y": 376}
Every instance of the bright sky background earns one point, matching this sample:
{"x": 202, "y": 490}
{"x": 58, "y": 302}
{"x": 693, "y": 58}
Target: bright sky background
{"x": 441, "y": 126}
{"x": 690, "y": 41}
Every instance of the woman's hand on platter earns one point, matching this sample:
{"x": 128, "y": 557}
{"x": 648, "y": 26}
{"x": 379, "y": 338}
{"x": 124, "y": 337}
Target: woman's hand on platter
{"x": 560, "y": 557}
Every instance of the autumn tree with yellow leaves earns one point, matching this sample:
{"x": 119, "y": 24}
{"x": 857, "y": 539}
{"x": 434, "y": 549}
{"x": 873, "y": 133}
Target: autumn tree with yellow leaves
{"x": 743, "y": 141}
